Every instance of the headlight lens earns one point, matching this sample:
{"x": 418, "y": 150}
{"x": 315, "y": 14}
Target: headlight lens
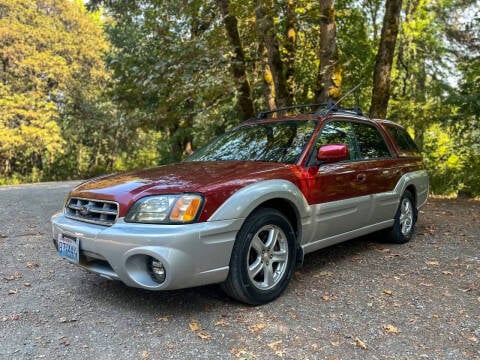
{"x": 164, "y": 209}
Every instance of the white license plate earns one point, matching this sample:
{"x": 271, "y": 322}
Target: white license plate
{"x": 68, "y": 247}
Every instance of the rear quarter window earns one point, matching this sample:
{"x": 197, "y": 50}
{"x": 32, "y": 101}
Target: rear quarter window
{"x": 404, "y": 142}
{"x": 370, "y": 142}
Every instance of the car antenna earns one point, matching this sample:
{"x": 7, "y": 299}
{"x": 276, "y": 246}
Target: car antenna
{"x": 333, "y": 105}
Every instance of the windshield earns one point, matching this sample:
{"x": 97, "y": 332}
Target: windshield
{"x": 281, "y": 142}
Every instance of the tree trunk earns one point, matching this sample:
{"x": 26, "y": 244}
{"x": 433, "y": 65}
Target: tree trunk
{"x": 269, "y": 87}
{"x": 266, "y": 29}
{"x": 290, "y": 46}
{"x": 329, "y": 78}
{"x": 238, "y": 66}
{"x": 384, "y": 60}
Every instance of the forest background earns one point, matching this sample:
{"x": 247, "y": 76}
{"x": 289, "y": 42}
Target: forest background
{"x": 113, "y": 85}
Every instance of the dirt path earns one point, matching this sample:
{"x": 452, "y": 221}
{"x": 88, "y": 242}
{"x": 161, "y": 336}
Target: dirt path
{"x": 359, "y": 300}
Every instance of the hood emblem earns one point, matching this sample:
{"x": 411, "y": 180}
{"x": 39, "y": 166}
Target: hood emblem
{"x": 84, "y": 210}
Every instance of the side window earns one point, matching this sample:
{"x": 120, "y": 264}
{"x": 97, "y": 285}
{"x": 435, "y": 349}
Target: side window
{"x": 338, "y": 132}
{"x": 370, "y": 142}
{"x": 403, "y": 140}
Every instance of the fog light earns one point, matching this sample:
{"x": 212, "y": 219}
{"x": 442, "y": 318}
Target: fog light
{"x": 157, "y": 271}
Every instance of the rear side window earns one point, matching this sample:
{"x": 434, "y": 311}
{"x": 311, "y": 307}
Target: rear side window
{"x": 402, "y": 138}
{"x": 370, "y": 142}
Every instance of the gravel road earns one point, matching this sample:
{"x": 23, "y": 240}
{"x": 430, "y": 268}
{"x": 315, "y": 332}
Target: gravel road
{"x": 359, "y": 300}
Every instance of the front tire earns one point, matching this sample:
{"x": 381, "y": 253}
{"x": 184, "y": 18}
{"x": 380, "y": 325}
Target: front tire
{"x": 405, "y": 220}
{"x": 262, "y": 258}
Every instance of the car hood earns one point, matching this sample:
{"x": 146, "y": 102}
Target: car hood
{"x": 218, "y": 179}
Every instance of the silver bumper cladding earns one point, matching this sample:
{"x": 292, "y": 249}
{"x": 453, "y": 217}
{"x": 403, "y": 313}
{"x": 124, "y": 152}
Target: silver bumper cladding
{"x": 192, "y": 254}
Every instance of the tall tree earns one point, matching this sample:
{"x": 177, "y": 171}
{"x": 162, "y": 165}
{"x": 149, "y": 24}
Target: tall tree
{"x": 329, "y": 78}
{"x": 266, "y": 29}
{"x": 290, "y": 46}
{"x": 384, "y": 59}
{"x": 52, "y": 76}
{"x": 238, "y": 65}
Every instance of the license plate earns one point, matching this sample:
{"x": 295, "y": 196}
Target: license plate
{"x": 68, "y": 247}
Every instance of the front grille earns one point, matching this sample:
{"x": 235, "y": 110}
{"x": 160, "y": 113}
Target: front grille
{"x": 91, "y": 210}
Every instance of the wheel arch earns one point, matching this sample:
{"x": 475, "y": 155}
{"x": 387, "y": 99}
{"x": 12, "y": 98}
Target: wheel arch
{"x": 282, "y": 195}
{"x": 274, "y": 192}
{"x": 288, "y": 209}
{"x": 411, "y": 188}
{"x": 291, "y": 213}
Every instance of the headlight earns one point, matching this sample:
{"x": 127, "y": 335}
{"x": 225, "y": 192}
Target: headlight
{"x": 165, "y": 209}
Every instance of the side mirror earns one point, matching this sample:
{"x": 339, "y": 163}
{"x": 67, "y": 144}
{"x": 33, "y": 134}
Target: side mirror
{"x": 333, "y": 153}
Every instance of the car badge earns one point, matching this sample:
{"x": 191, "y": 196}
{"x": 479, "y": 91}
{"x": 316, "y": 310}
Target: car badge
{"x": 84, "y": 210}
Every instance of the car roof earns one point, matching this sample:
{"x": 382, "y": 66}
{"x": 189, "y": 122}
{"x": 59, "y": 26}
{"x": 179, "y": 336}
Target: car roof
{"x": 321, "y": 112}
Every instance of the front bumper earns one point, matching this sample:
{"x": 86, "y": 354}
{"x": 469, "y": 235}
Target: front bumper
{"x": 192, "y": 254}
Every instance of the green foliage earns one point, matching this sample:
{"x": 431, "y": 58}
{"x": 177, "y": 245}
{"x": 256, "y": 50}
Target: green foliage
{"x": 74, "y": 104}
{"x": 53, "y": 119}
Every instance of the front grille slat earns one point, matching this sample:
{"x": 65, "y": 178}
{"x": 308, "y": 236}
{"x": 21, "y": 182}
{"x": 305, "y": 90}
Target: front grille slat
{"x": 94, "y": 211}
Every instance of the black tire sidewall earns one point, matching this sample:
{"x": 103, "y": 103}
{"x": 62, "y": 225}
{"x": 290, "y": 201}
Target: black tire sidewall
{"x": 238, "y": 263}
{"x": 397, "y": 236}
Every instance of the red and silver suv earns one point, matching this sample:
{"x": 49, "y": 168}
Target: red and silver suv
{"x": 244, "y": 210}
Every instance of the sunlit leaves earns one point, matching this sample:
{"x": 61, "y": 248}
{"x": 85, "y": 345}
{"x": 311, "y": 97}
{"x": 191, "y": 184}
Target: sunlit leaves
{"x": 52, "y": 70}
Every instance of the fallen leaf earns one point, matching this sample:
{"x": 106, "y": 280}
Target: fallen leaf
{"x": 241, "y": 353}
{"x": 222, "y": 323}
{"x": 390, "y": 329}
{"x": 13, "y": 277}
{"x": 388, "y": 292}
{"x": 204, "y": 336}
{"x": 360, "y": 344}
{"x": 323, "y": 273}
{"x": 435, "y": 316}
{"x": 274, "y": 344}
{"x": 426, "y": 284}
{"x": 32, "y": 265}
{"x": 194, "y": 325}
{"x": 257, "y": 327}
{"x": 382, "y": 249}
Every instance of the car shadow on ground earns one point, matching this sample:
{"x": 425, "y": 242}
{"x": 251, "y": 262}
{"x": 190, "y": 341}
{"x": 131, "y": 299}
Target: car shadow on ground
{"x": 116, "y": 294}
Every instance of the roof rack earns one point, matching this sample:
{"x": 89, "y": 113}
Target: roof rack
{"x": 264, "y": 114}
{"x": 323, "y": 109}
{"x": 333, "y": 108}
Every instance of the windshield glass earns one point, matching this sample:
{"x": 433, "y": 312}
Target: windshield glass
{"x": 281, "y": 142}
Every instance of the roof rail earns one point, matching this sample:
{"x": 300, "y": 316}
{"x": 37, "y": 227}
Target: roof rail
{"x": 264, "y": 114}
{"x": 333, "y": 108}
{"x": 323, "y": 109}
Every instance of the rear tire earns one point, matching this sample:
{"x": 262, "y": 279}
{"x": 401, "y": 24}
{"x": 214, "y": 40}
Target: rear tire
{"x": 405, "y": 220}
{"x": 262, "y": 258}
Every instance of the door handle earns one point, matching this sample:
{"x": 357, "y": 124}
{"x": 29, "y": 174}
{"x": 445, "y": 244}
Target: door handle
{"x": 361, "y": 177}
